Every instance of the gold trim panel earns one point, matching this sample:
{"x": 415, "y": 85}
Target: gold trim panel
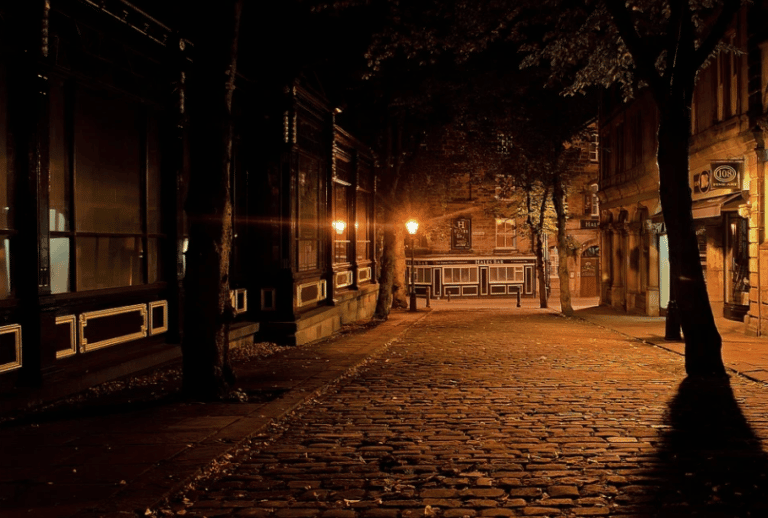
{"x": 321, "y": 292}
{"x": 84, "y": 317}
{"x": 161, "y": 329}
{"x": 14, "y": 329}
{"x": 343, "y": 279}
{"x": 235, "y": 296}
{"x": 72, "y": 321}
{"x": 364, "y": 274}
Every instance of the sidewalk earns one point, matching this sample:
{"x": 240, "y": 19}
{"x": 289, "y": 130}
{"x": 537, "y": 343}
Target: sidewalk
{"x": 742, "y": 354}
{"x": 123, "y": 459}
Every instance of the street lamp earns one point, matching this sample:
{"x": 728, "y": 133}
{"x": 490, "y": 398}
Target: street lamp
{"x": 412, "y": 225}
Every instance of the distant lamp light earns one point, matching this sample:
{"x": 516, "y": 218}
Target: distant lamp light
{"x": 412, "y": 225}
{"x": 339, "y": 226}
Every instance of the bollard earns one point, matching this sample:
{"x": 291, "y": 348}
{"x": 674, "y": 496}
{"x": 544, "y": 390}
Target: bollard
{"x": 429, "y": 294}
{"x": 518, "y": 297}
{"x": 672, "y": 323}
{"x": 449, "y": 295}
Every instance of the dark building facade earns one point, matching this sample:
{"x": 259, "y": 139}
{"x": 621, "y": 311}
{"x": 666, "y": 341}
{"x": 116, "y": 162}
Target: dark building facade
{"x": 93, "y": 171}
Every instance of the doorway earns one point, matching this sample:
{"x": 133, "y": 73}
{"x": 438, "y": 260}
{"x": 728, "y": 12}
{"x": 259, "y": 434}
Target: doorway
{"x": 590, "y": 265}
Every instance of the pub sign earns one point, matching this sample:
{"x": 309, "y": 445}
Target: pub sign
{"x": 461, "y": 234}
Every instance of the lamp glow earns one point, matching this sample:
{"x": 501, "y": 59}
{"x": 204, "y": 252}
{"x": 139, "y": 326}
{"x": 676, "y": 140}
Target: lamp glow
{"x": 412, "y": 225}
{"x": 339, "y": 226}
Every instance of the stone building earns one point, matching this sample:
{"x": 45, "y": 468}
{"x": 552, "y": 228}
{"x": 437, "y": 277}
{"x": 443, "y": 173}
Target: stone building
{"x": 476, "y": 241}
{"x": 727, "y": 157}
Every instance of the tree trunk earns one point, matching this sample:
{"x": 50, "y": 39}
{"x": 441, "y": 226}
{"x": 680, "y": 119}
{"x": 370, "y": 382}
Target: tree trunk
{"x": 540, "y": 266}
{"x": 702, "y": 341}
{"x": 558, "y": 199}
{"x": 207, "y": 373}
{"x": 391, "y": 290}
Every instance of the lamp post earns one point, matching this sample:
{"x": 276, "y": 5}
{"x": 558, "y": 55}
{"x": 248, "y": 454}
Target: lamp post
{"x": 412, "y": 225}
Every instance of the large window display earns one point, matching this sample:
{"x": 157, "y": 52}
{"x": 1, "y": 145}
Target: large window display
{"x": 309, "y": 212}
{"x": 104, "y": 213}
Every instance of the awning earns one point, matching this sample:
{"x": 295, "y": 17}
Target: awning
{"x": 714, "y": 207}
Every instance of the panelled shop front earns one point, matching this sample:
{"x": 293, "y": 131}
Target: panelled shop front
{"x": 719, "y": 210}
{"x": 94, "y": 157}
{"x": 446, "y": 276}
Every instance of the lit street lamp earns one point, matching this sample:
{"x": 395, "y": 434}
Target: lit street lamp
{"x": 412, "y": 225}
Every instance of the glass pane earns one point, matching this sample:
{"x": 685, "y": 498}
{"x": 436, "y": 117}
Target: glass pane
{"x": 341, "y": 224}
{"x": 361, "y": 226}
{"x": 309, "y": 190}
{"x": 473, "y": 274}
{"x": 154, "y": 223}
{"x": 108, "y": 169}
{"x": 307, "y": 255}
{"x": 6, "y": 179}
{"x": 108, "y": 262}
{"x": 59, "y": 197}
{"x": 5, "y": 269}
{"x": 465, "y": 275}
{"x": 154, "y": 259}
{"x": 519, "y": 273}
{"x": 60, "y": 264}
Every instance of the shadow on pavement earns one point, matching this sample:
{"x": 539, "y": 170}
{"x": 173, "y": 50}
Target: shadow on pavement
{"x": 710, "y": 461}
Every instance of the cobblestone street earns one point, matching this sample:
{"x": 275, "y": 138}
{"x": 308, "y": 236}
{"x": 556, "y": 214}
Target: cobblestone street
{"x": 513, "y": 412}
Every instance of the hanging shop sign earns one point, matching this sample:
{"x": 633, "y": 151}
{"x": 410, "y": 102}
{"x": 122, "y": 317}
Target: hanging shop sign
{"x": 461, "y": 234}
{"x": 722, "y": 177}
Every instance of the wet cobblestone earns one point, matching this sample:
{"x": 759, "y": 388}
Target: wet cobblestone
{"x": 506, "y": 413}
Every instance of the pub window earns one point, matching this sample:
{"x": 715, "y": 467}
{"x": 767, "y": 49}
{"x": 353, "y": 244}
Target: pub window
{"x": 423, "y": 274}
{"x": 6, "y": 192}
{"x": 309, "y": 209}
{"x": 457, "y": 275}
{"x": 362, "y": 226}
{"x": 506, "y": 233}
{"x": 104, "y": 222}
{"x": 503, "y": 274}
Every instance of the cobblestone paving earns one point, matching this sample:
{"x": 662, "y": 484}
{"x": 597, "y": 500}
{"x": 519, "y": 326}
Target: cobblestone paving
{"x": 485, "y": 413}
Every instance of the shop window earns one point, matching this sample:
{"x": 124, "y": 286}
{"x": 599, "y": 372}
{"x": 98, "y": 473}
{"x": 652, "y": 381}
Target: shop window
{"x": 105, "y": 222}
{"x": 362, "y": 226}
{"x": 309, "y": 208}
{"x": 340, "y": 223}
{"x": 506, "y": 233}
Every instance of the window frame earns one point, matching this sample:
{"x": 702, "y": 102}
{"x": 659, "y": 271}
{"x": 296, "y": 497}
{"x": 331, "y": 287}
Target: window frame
{"x": 64, "y": 226}
{"x": 506, "y": 233}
